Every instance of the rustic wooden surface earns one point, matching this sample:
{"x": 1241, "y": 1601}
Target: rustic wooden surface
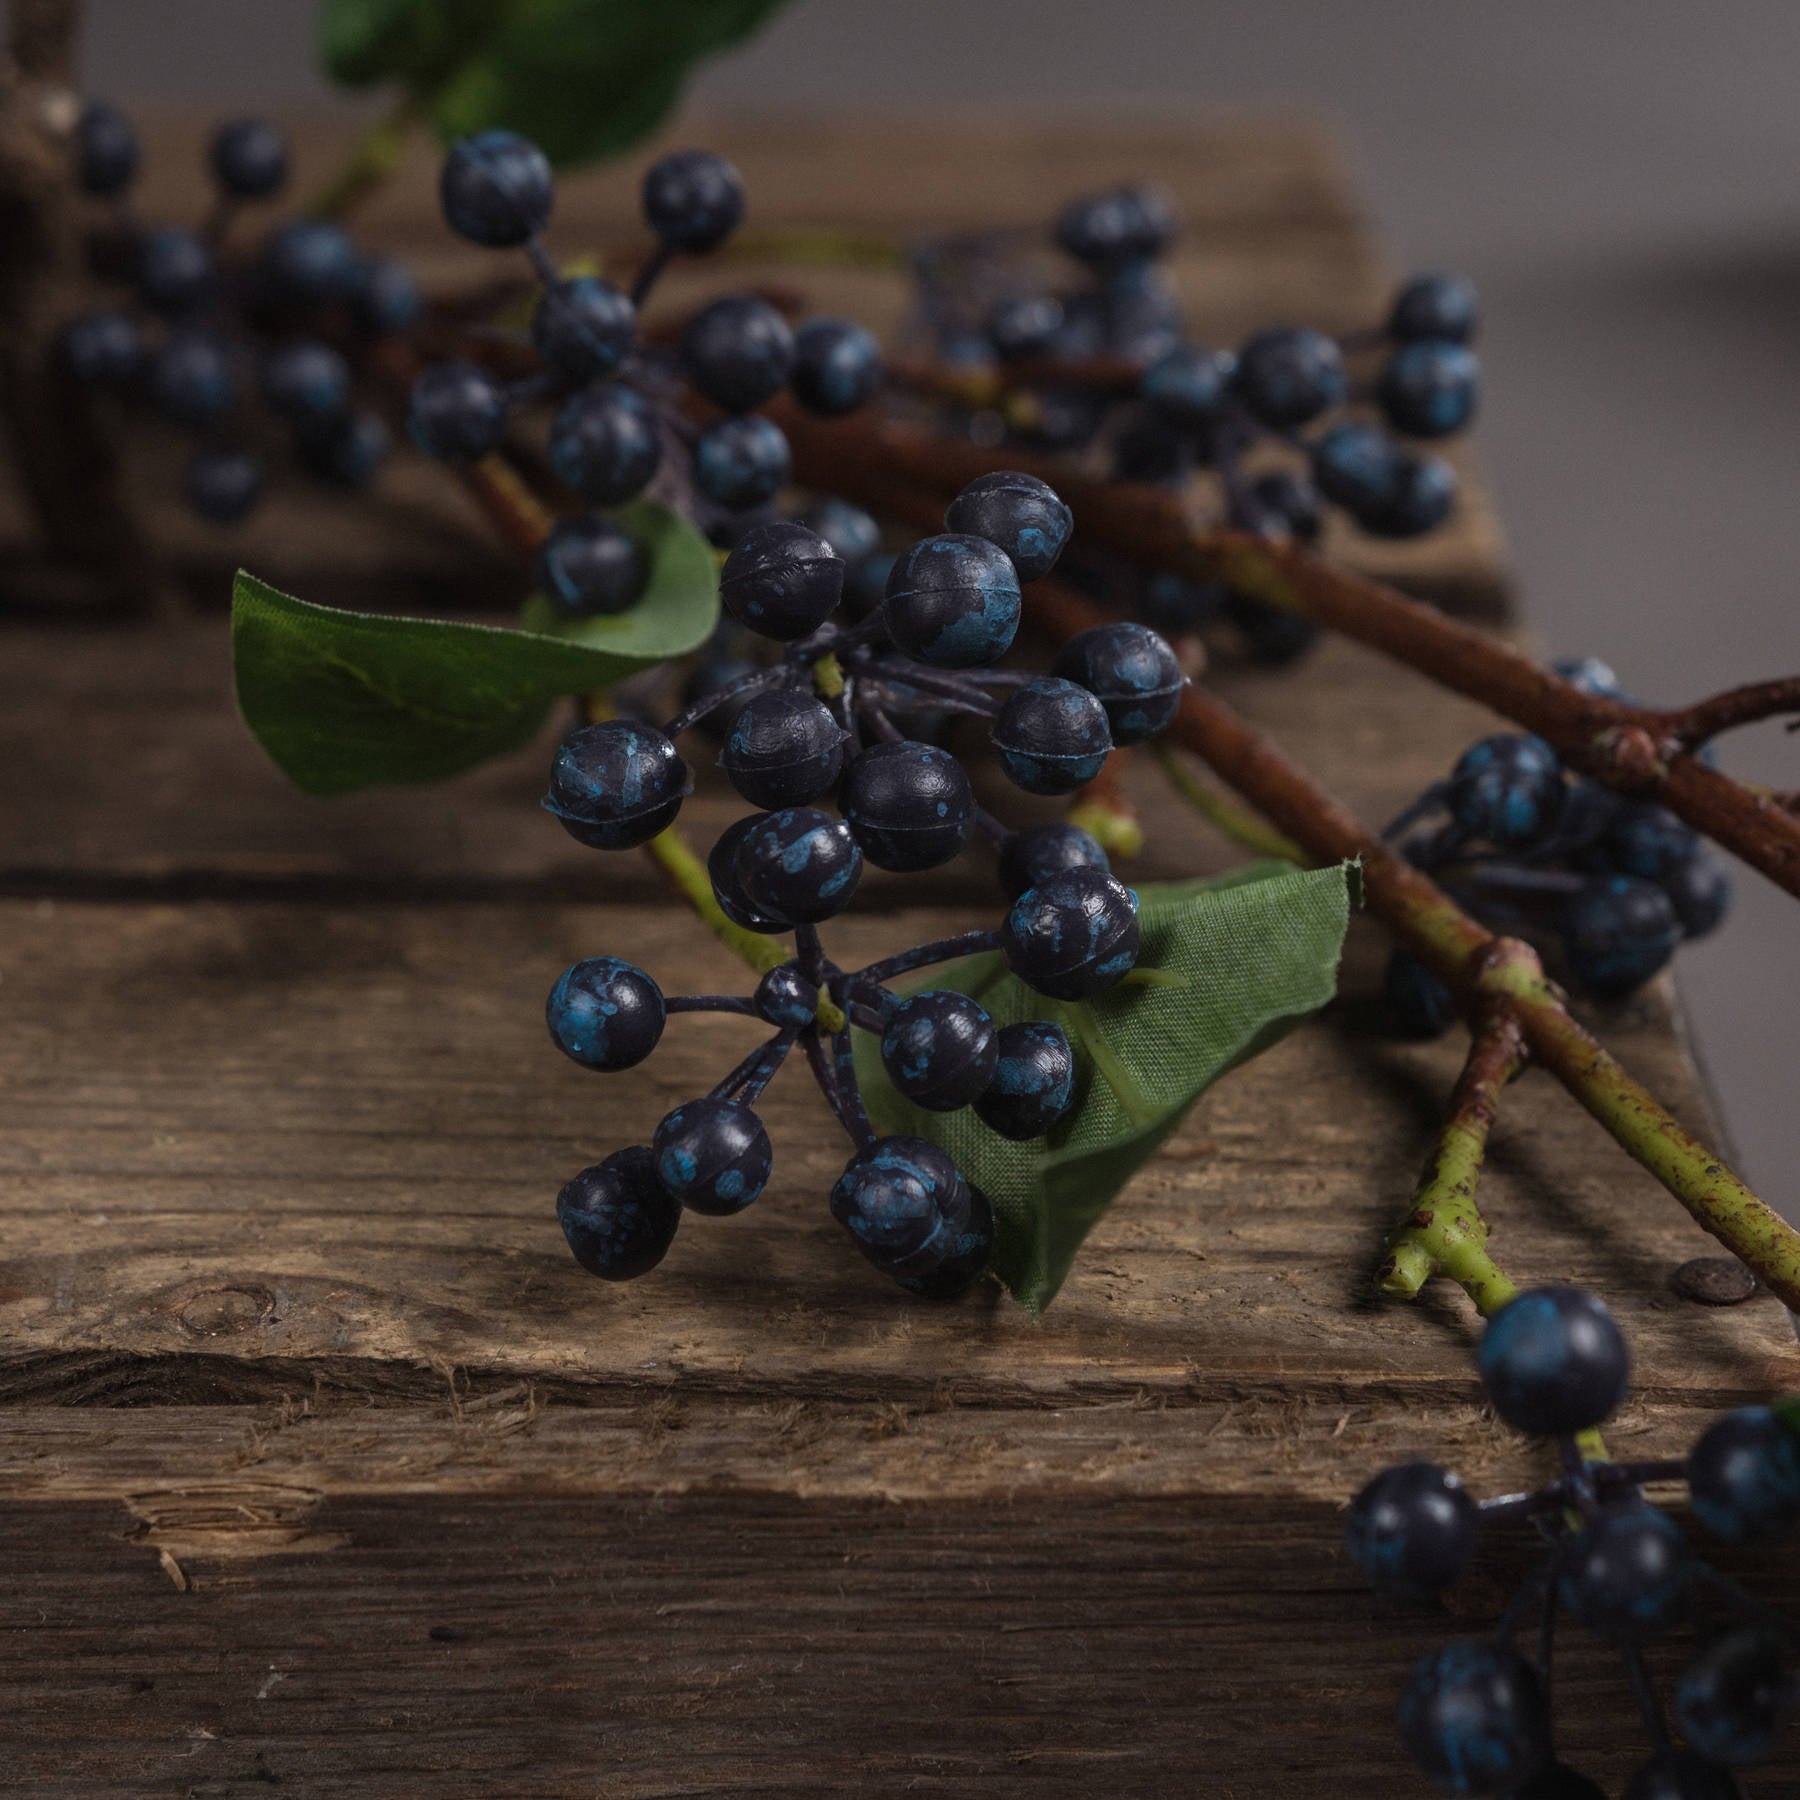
{"x": 323, "y": 1466}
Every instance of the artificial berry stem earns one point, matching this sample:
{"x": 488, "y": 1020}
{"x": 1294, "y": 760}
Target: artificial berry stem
{"x": 1232, "y": 821}
{"x": 672, "y": 853}
{"x": 940, "y": 950}
{"x": 1103, "y": 812}
{"x": 1692, "y": 726}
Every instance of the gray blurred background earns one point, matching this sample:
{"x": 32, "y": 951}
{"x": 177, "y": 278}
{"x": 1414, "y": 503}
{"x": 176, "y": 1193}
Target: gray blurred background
{"x": 1622, "y": 179}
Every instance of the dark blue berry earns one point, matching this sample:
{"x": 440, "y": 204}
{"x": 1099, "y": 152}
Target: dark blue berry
{"x": 1735, "y": 1696}
{"x": 939, "y": 1049}
{"x": 223, "y": 485}
{"x": 727, "y": 885}
{"x": 1412, "y": 1529}
{"x": 1132, "y": 673}
{"x": 1082, "y": 330}
{"x": 1434, "y": 306}
{"x": 346, "y": 450}
{"x": 1650, "y": 841}
{"x": 604, "y": 444}
{"x": 948, "y": 1273}
{"x": 1617, "y": 933}
{"x": 1700, "y": 892}
{"x": 837, "y": 366}
{"x": 1024, "y": 516}
{"x": 1474, "y": 1718}
{"x": 1507, "y": 789}
{"x": 618, "y": 1217}
{"x": 785, "y": 748}
{"x": 904, "y": 1202}
{"x": 1065, "y": 419}
{"x": 1288, "y": 377}
{"x": 175, "y": 272}
{"x": 799, "y": 865}
{"x": 1626, "y": 1574}
{"x": 1553, "y": 1362}
{"x": 457, "y": 412}
{"x": 249, "y": 159}
{"x": 617, "y": 784}
{"x": 1429, "y": 389}
{"x": 1174, "y": 606}
{"x": 693, "y": 200}
{"x": 851, "y": 533}
{"x": 583, "y": 328}
{"x": 741, "y": 463}
{"x": 1744, "y": 1476}
{"x": 1422, "y": 498}
{"x": 1416, "y": 1003}
{"x": 1358, "y": 467}
{"x": 1141, "y": 311}
{"x": 1034, "y": 1081}
{"x": 1287, "y": 505}
{"x": 384, "y": 299}
{"x": 713, "y": 1155}
{"x": 909, "y": 805}
{"x": 308, "y": 262}
{"x": 605, "y": 1013}
{"x": 1188, "y": 387}
{"x": 953, "y": 601}
{"x": 1111, "y": 230}
{"x": 1273, "y": 635}
{"x": 1051, "y": 736}
{"x": 737, "y": 352}
{"x": 190, "y": 378}
{"x": 1682, "y": 1775}
{"x": 496, "y": 189}
{"x": 718, "y": 667}
{"x": 1024, "y": 327}
{"x": 1590, "y": 675}
{"x": 865, "y": 584}
{"x": 786, "y": 999}
{"x": 1034, "y": 855}
{"x": 588, "y": 566}
{"x": 305, "y": 382}
{"x": 106, "y": 150}
{"x": 1073, "y": 935}
{"x": 782, "y": 580}
{"x": 104, "y": 348}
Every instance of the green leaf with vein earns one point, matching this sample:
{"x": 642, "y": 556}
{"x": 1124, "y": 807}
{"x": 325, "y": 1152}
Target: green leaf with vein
{"x": 344, "y": 700}
{"x": 1233, "y": 965}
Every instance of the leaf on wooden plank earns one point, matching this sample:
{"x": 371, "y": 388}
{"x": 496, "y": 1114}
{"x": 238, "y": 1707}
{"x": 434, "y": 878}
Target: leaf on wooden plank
{"x": 1234, "y": 965}
{"x": 343, "y": 700}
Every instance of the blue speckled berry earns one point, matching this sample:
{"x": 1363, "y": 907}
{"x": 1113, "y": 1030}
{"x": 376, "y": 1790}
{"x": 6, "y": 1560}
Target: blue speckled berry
{"x": 305, "y": 381}
{"x": 693, "y": 200}
{"x": 588, "y": 566}
{"x": 1274, "y": 636}
{"x": 385, "y": 299}
{"x": 1508, "y": 789}
{"x": 713, "y": 1155}
{"x": 1650, "y": 841}
{"x": 1024, "y": 327}
{"x": 1112, "y": 230}
{"x": 1682, "y": 1775}
{"x": 800, "y": 865}
{"x": 583, "y": 328}
{"x": 1034, "y": 1081}
{"x": 617, "y": 784}
{"x": 1132, "y": 673}
{"x": 619, "y": 1219}
{"x": 953, "y": 601}
{"x": 1429, "y": 389}
{"x": 249, "y": 159}
{"x": 1700, "y": 892}
{"x": 1474, "y": 1718}
{"x": 939, "y": 1049}
{"x": 106, "y": 150}
{"x": 1189, "y": 387}
{"x": 908, "y": 805}
{"x": 837, "y": 366}
{"x": 190, "y": 378}
{"x": 1032, "y": 856}
{"x": 1421, "y": 499}
{"x": 496, "y": 189}
{"x": 1288, "y": 377}
{"x": 904, "y": 1202}
{"x": 1051, "y": 736}
{"x": 175, "y": 272}
{"x": 604, "y": 444}
{"x": 1416, "y": 1004}
{"x": 1435, "y": 306}
{"x": 964, "y": 1253}
{"x": 605, "y": 1013}
{"x": 786, "y": 999}
{"x": 727, "y": 884}
{"x": 456, "y": 413}
{"x": 741, "y": 463}
{"x": 1744, "y": 1476}
{"x": 1173, "y": 606}
{"x": 1590, "y": 675}
{"x": 784, "y": 749}
{"x": 1735, "y": 1696}
{"x": 851, "y": 533}
{"x": 307, "y": 262}
{"x": 346, "y": 450}
{"x": 1357, "y": 466}
{"x": 1553, "y": 1361}
{"x": 782, "y": 580}
{"x": 737, "y": 352}
{"x": 1073, "y": 935}
{"x": 1412, "y": 1529}
{"x": 223, "y": 485}
{"x": 1626, "y": 1574}
{"x": 1617, "y": 933}
{"x": 1024, "y": 516}
{"x": 104, "y": 348}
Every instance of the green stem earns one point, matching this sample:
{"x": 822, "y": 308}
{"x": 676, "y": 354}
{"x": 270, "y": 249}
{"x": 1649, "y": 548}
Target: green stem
{"x": 374, "y": 157}
{"x": 1235, "y": 822}
{"x": 818, "y": 248}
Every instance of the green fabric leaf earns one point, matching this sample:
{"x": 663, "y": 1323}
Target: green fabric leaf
{"x": 581, "y": 78}
{"x": 1251, "y": 955}
{"x": 342, "y": 700}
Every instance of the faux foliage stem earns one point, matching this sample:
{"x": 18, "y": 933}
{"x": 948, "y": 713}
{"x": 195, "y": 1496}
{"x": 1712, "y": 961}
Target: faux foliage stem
{"x": 372, "y": 160}
{"x": 1232, "y": 821}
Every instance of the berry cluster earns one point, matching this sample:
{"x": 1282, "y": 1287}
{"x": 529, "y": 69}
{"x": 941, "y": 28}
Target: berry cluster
{"x": 1476, "y": 1716}
{"x": 1619, "y": 883}
{"x": 820, "y": 723}
{"x": 622, "y": 414}
{"x": 291, "y": 317}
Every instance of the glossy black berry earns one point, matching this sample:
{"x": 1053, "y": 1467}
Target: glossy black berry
{"x": 604, "y": 444}
{"x": 249, "y": 159}
{"x": 1435, "y": 306}
{"x": 1288, "y": 377}
{"x": 1415, "y": 1003}
{"x": 1626, "y": 1573}
{"x": 457, "y": 412}
{"x": 851, "y": 533}
{"x": 104, "y": 348}
{"x": 1553, "y": 1361}
{"x": 1421, "y": 499}
{"x": 1474, "y": 1718}
{"x": 939, "y": 1049}
{"x": 1189, "y": 387}
{"x": 737, "y": 352}
{"x": 782, "y": 580}
{"x": 1700, "y": 892}
{"x": 1132, "y": 673}
{"x": 693, "y": 200}
{"x": 1274, "y": 636}
{"x": 953, "y": 601}
{"x": 588, "y": 566}
{"x": 385, "y": 299}
{"x": 904, "y": 1202}
{"x": 618, "y": 1217}
{"x": 1142, "y": 312}
{"x": 1357, "y": 466}
{"x": 1744, "y": 1476}
{"x": 951, "y": 1270}
{"x": 1051, "y": 736}
{"x": 865, "y": 584}
{"x": 1412, "y": 1529}
{"x": 1286, "y": 504}
{"x": 1650, "y": 841}
{"x": 175, "y": 271}
{"x": 1111, "y": 230}
{"x": 583, "y": 328}
{"x": 307, "y": 262}
{"x": 1032, "y": 856}
{"x": 908, "y": 805}
{"x": 1024, "y": 516}
{"x": 1507, "y": 789}
{"x": 742, "y": 463}
{"x": 1590, "y": 675}
{"x": 786, "y": 999}
{"x": 727, "y": 884}
{"x": 1073, "y": 935}
{"x": 106, "y": 150}
{"x": 605, "y": 1013}
{"x": 190, "y": 378}
{"x": 617, "y": 784}
{"x": 1617, "y": 933}
{"x": 1429, "y": 389}
{"x": 1682, "y": 1775}
{"x": 1024, "y": 327}
{"x": 305, "y": 382}
{"x": 496, "y": 189}
{"x": 223, "y": 485}
{"x": 837, "y": 366}
{"x": 799, "y": 865}
{"x": 784, "y": 749}
{"x": 713, "y": 1155}
{"x": 1735, "y": 1697}
{"x": 1034, "y": 1081}
{"x": 345, "y": 450}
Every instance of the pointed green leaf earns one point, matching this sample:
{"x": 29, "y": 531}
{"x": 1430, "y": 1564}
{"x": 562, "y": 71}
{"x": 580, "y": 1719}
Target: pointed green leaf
{"x": 1234, "y": 964}
{"x": 343, "y": 700}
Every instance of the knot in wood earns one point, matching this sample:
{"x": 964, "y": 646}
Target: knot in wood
{"x": 1628, "y": 753}
{"x": 226, "y": 1311}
